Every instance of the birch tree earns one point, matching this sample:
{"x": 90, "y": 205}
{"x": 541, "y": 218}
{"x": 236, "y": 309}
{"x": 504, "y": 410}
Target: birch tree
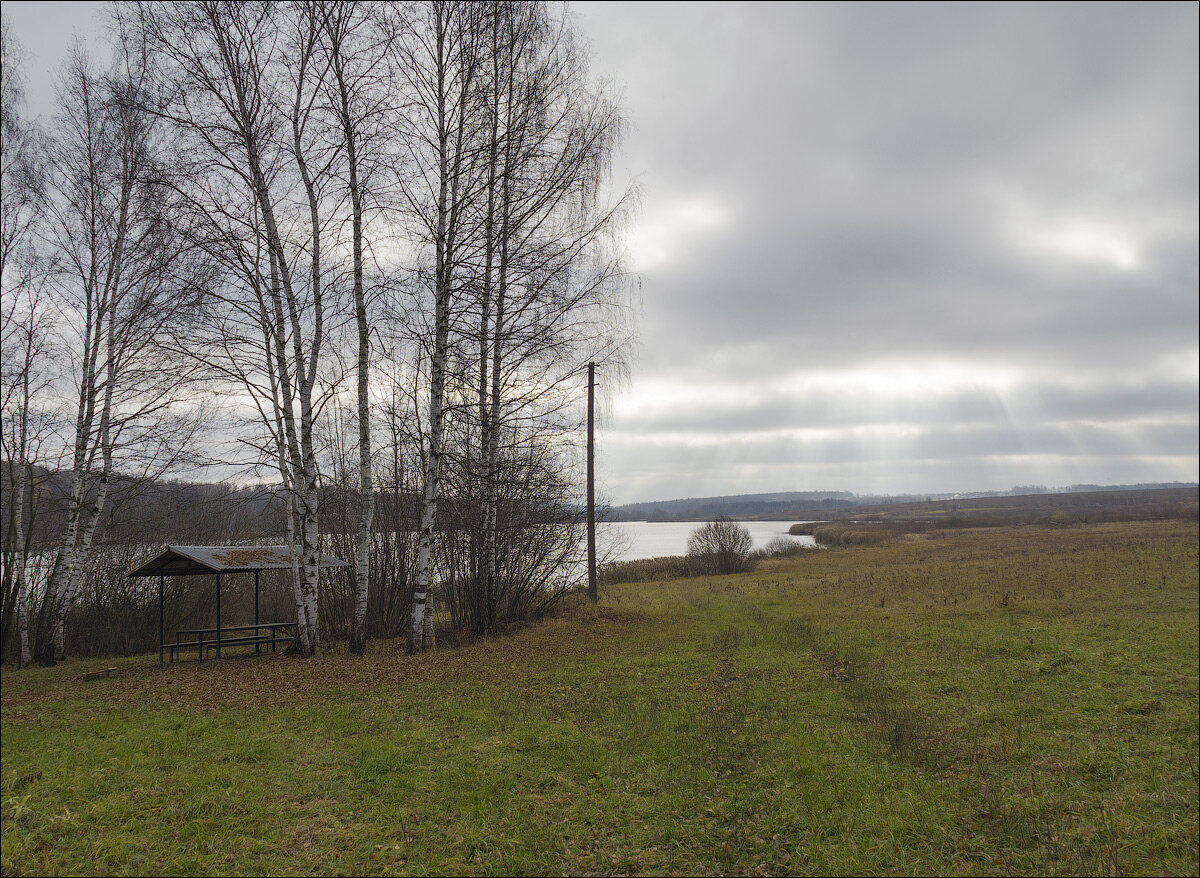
{"x": 122, "y": 276}
{"x": 24, "y": 373}
{"x": 438, "y": 59}
{"x": 245, "y": 80}
{"x": 550, "y": 294}
{"x": 26, "y": 432}
{"x": 357, "y": 43}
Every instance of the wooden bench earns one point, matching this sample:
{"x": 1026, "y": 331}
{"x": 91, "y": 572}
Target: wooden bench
{"x": 95, "y": 675}
{"x": 205, "y": 640}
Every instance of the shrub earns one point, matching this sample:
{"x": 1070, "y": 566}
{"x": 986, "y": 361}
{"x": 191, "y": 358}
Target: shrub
{"x": 782, "y": 547}
{"x": 779, "y": 547}
{"x": 720, "y": 546}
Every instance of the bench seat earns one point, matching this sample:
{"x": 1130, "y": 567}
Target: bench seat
{"x": 204, "y": 640}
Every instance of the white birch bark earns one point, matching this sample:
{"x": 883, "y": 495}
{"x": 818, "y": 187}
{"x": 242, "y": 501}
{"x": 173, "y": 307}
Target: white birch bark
{"x": 302, "y": 628}
{"x": 94, "y": 510}
{"x": 448, "y": 139}
{"x": 99, "y": 272}
{"x": 366, "y": 467}
{"x": 20, "y": 214}
{"x": 362, "y": 557}
{"x": 22, "y": 581}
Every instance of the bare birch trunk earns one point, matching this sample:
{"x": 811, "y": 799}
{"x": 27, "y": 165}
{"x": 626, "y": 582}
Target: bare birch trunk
{"x": 300, "y": 446}
{"x": 297, "y": 582}
{"x": 423, "y": 597}
{"x": 362, "y": 555}
{"x": 50, "y": 638}
{"x": 482, "y": 611}
{"x": 101, "y": 284}
{"x": 309, "y": 498}
{"x": 22, "y": 211}
{"x": 310, "y": 560}
{"x": 21, "y": 558}
{"x": 293, "y": 546}
{"x": 50, "y": 635}
{"x": 492, "y": 506}
{"x": 281, "y": 397}
{"x": 76, "y": 569}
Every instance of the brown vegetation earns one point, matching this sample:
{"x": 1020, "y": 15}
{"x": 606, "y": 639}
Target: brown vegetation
{"x": 1085, "y": 507}
{"x": 872, "y": 525}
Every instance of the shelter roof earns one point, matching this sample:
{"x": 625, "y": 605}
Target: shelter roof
{"x": 207, "y": 560}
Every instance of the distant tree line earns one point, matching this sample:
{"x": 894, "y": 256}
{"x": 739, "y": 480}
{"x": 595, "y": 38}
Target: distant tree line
{"x": 362, "y": 251}
{"x": 798, "y": 504}
{"x": 698, "y": 510}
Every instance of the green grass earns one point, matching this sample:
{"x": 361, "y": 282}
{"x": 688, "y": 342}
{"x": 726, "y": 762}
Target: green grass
{"x": 1022, "y": 701}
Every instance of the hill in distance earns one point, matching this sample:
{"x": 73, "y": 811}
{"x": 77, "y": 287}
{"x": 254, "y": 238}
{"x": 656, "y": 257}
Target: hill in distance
{"x": 798, "y": 504}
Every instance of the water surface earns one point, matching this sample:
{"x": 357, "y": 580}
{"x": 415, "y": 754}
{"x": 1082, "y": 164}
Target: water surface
{"x": 633, "y": 540}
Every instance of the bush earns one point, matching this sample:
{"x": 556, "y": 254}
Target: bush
{"x": 780, "y": 547}
{"x": 720, "y": 546}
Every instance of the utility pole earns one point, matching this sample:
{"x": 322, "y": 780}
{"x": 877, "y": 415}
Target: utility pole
{"x": 593, "y": 589}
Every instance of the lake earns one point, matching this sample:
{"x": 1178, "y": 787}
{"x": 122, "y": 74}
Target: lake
{"x": 618, "y": 540}
{"x": 633, "y": 540}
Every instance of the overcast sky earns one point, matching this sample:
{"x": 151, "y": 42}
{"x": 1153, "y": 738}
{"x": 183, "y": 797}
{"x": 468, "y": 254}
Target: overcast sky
{"x": 893, "y": 248}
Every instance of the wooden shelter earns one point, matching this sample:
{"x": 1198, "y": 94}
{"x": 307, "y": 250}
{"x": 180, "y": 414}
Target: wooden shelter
{"x": 221, "y": 561}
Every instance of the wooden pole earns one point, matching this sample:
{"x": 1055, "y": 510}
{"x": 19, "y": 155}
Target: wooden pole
{"x": 593, "y": 588}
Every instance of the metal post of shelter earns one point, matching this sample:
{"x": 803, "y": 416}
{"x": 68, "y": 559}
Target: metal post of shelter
{"x": 160, "y": 618}
{"x": 218, "y": 615}
{"x": 257, "y": 646}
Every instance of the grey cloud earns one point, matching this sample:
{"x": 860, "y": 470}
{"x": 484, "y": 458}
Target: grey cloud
{"x": 887, "y": 171}
{"x": 960, "y": 446}
{"x": 931, "y": 443}
{"x": 817, "y": 408}
{"x": 966, "y": 461}
{"x": 1082, "y": 110}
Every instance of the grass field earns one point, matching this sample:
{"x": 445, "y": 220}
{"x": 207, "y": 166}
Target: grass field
{"x": 1016, "y": 701}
